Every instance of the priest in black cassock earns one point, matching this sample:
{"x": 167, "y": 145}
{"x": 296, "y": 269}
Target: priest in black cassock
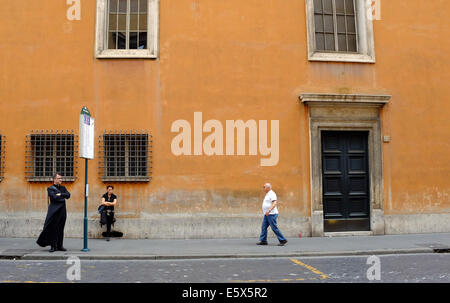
{"x": 53, "y": 233}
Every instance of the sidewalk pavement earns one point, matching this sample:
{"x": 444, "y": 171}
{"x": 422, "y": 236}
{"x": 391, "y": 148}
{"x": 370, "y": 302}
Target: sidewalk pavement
{"x": 130, "y": 249}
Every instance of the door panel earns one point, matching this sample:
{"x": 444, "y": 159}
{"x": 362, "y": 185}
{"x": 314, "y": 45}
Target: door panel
{"x": 345, "y": 179}
{"x": 334, "y": 208}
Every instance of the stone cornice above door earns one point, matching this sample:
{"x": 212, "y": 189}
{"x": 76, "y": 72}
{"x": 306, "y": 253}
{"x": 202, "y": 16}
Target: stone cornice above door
{"x": 344, "y": 99}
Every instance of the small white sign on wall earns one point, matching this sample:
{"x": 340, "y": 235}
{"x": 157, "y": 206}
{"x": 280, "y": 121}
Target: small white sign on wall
{"x": 86, "y": 148}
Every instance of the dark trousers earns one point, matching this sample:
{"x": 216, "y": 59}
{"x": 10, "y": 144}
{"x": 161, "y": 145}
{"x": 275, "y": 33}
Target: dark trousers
{"x": 109, "y": 222}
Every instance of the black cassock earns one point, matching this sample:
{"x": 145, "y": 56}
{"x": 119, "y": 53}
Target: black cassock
{"x": 53, "y": 233}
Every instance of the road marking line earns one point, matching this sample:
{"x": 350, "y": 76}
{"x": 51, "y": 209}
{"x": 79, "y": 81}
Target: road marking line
{"x": 45, "y": 282}
{"x": 245, "y": 281}
{"x": 265, "y": 281}
{"x": 314, "y": 270}
{"x": 14, "y": 281}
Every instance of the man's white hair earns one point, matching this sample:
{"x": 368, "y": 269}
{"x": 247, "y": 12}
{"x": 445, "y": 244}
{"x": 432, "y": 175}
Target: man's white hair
{"x": 268, "y": 185}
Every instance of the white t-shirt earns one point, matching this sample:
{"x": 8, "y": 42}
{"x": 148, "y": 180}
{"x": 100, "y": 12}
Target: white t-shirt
{"x": 267, "y": 203}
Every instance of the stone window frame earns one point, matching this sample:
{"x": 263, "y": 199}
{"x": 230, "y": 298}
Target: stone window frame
{"x": 366, "y": 44}
{"x": 101, "y": 48}
{"x": 345, "y": 112}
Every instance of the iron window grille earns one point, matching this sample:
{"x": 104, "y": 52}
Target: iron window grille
{"x": 2, "y": 156}
{"x": 335, "y": 25}
{"x": 50, "y": 152}
{"x": 125, "y": 156}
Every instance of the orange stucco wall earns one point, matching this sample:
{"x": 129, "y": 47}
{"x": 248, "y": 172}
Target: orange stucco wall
{"x": 229, "y": 60}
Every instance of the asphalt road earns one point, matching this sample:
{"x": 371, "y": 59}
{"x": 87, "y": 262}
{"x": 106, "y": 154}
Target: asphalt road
{"x": 386, "y": 268}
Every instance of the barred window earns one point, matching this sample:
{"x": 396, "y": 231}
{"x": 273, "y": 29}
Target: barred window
{"x": 125, "y": 156}
{"x": 50, "y": 152}
{"x": 2, "y": 156}
{"x": 335, "y": 25}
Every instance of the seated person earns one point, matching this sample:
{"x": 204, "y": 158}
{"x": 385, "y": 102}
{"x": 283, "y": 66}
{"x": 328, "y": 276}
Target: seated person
{"x": 109, "y": 199}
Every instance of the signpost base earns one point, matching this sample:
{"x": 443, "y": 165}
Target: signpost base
{"x": 85, "y": 235}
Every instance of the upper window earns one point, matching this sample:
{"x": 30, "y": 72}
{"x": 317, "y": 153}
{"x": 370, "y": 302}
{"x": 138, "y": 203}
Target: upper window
{"x": 48, "y": 153}
{"x": 340, "y": 30}
{"x": 127, "y": 29}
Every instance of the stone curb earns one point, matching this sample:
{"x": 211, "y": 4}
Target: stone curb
{"x": 87, "y": 256}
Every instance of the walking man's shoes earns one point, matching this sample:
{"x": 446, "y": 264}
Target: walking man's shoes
{"x": 62, "y": 248}
{"x": 52, "y": 249}
{"x": 261, "y": 243}
{"x": 282, "y": 243}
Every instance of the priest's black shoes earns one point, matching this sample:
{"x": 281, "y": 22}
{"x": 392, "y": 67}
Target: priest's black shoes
{"x": 61, "y": 248}
{"x": 52, "y": 249}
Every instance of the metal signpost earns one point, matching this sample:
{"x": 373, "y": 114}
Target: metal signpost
{"x": 86, "y": 151}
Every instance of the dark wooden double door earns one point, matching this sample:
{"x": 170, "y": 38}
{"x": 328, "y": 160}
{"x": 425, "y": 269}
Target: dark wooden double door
{"x": 345, "y": 179}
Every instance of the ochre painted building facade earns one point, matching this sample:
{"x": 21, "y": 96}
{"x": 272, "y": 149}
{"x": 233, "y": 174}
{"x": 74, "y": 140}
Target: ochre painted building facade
{"x": 235, "y": 60}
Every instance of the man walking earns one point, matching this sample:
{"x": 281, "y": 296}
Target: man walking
{"x": 270, "y": 212}
{"x": 53, "y": 233}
